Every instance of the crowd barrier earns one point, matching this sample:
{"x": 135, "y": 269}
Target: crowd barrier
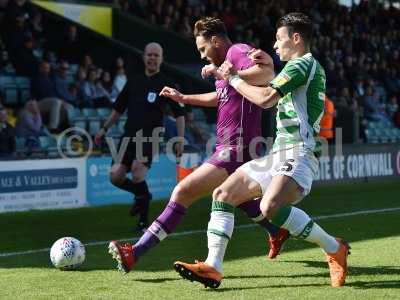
{"x": 67, "y": 183}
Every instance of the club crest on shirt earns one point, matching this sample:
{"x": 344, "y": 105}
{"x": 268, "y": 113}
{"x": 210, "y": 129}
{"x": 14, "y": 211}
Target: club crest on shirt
{"x": 281, "y": 79}
{"x": 151, "y": 97}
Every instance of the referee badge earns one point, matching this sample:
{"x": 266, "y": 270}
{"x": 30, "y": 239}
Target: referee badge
{"x": 151, "y": 97}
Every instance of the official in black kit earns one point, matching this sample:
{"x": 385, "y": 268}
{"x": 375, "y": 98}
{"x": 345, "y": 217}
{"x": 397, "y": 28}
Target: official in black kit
{"x": 145, "y": 110}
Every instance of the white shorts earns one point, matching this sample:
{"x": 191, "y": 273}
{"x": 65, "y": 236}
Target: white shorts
{"x": 297, "y": 163}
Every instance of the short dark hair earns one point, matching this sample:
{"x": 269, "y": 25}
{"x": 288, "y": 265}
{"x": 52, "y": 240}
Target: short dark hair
{"x": 297, "y": 22}
{"x": 209, "y": 26}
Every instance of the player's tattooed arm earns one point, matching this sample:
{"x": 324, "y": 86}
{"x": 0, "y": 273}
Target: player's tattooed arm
{"x": 264, "y": 97}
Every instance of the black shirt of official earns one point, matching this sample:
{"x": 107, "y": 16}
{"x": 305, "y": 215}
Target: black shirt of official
{"x": 145, "y": 108}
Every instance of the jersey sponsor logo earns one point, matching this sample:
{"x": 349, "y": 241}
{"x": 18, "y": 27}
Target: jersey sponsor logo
{"x": 223, "y": 94}
{"x": 151, "y": 97}
{"x": 281, "y": 79}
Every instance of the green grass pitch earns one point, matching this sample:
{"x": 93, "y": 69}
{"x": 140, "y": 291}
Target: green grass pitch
{"x": 300, "y": 272}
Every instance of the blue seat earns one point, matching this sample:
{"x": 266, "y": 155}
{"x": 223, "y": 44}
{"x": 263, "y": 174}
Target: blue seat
{"x": 7, "y": 82}
{"x": 89, "y": 113}
{"x": 23, "y": 82}
{"x": 11, "y": 96}
{"x": 20, "y": 143}
{"x": 103, "y": 113}
{"x": 94, "y": 127}
{"x": 74, "y": 114}
{"x": 371, "y": 136}
{"x": 80, "y": 124}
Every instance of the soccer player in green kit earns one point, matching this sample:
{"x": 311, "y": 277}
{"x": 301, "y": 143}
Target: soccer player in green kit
{"x": 285, "y": 175}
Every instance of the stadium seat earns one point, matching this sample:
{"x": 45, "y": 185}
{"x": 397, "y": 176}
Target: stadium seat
{"x": 382, "y": 135}
{"x": 23, "y": 82}
{"x": 11, "y": 96}
{"x": 103, "y": 113}
{"x": 371, "y": 137}
{"x": 114, "y": 132}
{"x": 80, "y": 124}
{"x": 74, "y": 115}
{"x": 371, "y": 125}
{"x": 90, "y": 113}
{"x": 121, "y": 125}
{"x": 94, "y": 127}
{"x": 24, "y": 95}
{"x": 124, "y": 117}
{"x": 7, "y": 81}
{"x": 395, "y": 134}
{"x": 20, "y": 146}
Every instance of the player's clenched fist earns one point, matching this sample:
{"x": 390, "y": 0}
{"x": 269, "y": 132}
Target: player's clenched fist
{"x": 226, "y": 70}
{"x": 172, "y": 94}
{"x": 258, "y": 56}
{"x": 208, "y": 70}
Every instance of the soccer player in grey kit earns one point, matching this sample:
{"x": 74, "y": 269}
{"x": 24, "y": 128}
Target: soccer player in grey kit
{"x": 238, "y": 123}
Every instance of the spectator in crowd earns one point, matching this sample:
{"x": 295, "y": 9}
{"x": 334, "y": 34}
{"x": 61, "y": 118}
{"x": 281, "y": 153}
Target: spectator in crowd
{"x": 87, "y": 63}
{"x": 392, "y": 106}
{"x": 44, "y": 89}
{"x": 119, "y": 82}
{"x": 199, "y": 135}
{"x": 42, "y": 84}
{"x": 71, "y": 48}
{"x": 359, "y": 87}
{"x": 15, "y": 34}
{"x": 93, "y": 95}
{"x": 29, "y": 124}
{"x": 62, "y": 85}
{"x": 195, "y": 136}
{"x": 26, "y": 63}
{"x": 105, "y": 85}
{"x": 327, "y": 121}
{"x": 7, "y": 136}
{"x": 36, "y": 27}
{"x": 373, "y": 108}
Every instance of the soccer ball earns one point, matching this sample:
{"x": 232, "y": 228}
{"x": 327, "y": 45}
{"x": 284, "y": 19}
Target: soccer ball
{"x": 67, "y": 253}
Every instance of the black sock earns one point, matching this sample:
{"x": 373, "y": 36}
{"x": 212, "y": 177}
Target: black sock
{"x": 143, "y": 198}
{"x": 127, "y": 185}
{"x": 140, "y": 189}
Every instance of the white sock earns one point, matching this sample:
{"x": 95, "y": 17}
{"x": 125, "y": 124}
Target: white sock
{"x": 220, "y": 229}
{"x": 300, "y": 225}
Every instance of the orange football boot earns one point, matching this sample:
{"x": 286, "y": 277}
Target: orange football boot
{"x": 199, "y": 272}
{"x": 338, "y": 263}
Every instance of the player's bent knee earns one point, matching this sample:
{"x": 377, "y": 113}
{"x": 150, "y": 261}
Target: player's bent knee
{"x": 116, "y": 178}
{"x": 269, "y": 208}
{"x": 223, "y": 195}
{"x": 181, "y": 194}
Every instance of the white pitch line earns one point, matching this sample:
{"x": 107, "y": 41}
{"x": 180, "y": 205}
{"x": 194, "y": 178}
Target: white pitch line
{"x": 190, "y": 232}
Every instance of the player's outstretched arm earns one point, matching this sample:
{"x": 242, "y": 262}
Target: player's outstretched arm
{"x": 207, "y": 99}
